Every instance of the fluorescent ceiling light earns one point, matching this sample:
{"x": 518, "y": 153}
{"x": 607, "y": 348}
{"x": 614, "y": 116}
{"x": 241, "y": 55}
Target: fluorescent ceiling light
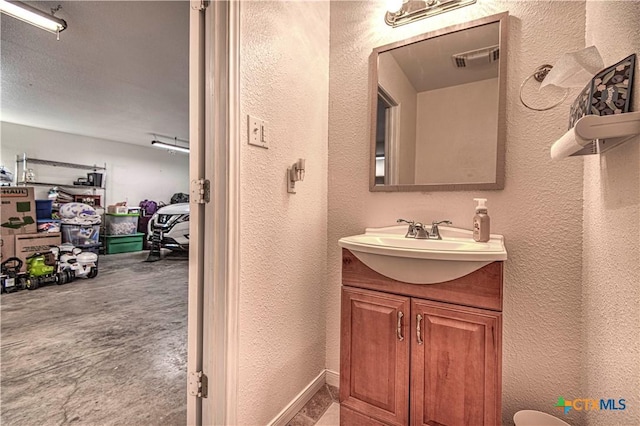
{"x": 33, "y": 16}
{"x": 170, "y": 147}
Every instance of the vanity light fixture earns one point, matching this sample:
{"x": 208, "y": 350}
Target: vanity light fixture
{"x": 295, "y": 173}
{"x": 413, "y": 10}
{"x": 171, "y": 147}
{"x": 33, "y": 16}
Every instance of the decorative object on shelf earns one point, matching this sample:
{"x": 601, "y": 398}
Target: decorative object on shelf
{"x": 572, "y": 70}
{"x": 171, "y": 147}
{"x": 608, "y": 92}
{"x": 404, "y": 12}
{"x": 28, "y": 176}
{"x": 594, "y": 134}
{"x": 92, "y": 200}
{"x": 295, "y": 173}
{"x": 35, "y": 17}
{"x": 600, "y": 119}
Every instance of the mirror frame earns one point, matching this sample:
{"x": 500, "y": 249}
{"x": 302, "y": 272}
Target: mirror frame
{"x": 502, "y": 19}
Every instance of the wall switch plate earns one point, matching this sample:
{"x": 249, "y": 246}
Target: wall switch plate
{"x": 257, "y": 132}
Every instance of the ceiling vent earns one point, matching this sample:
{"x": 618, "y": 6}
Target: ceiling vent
{"x": 478, "y": 57}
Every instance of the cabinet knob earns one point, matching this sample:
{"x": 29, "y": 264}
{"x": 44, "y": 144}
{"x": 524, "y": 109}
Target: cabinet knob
{"x": 418, "y": 331}
{"x": 399, "y": 329}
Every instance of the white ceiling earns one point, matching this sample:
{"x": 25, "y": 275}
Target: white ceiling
{"x": 119, "y": 71}
{"x": 428, "y": 64}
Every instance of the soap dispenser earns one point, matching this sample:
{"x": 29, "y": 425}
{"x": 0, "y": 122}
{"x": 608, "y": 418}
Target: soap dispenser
{"x": 481, "y": 222}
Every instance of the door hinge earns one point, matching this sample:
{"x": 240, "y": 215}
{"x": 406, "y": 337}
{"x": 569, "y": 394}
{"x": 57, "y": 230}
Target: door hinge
{"x": 200, "y": 191}
{"x": 199, "y": 5}
{"x": 198, "y": 384}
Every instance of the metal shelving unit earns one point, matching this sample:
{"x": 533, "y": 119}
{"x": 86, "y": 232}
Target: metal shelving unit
{"x": 23, "y": 162}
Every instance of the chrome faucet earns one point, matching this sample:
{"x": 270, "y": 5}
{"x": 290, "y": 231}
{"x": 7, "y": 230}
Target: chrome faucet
{"x": 417, "y": 230}
{"x": 411, "y": 232}
{"x": 421, "y": 233}
{"x": 435, "y": 231}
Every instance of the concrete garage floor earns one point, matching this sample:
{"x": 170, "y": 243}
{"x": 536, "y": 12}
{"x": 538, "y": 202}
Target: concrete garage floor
{"x": 109, "y": 350}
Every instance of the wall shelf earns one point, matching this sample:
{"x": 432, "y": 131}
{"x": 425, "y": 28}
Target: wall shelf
{"x": 60, "y": 164}
{"x": 595, "y": 134}
{"x": 23, "y": 163}
{"x": 25, "y": 183}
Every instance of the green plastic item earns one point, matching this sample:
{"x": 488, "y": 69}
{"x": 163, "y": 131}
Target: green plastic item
{"x": 123, "y": 243}
{"x": 36, "y": 266}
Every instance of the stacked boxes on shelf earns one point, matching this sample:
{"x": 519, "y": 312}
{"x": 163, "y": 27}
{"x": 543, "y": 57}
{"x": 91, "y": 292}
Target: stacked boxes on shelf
{"x": 19, "y": 225}
{"x": 121, "y": 233}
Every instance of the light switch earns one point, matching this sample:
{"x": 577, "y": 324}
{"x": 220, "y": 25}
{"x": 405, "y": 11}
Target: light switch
{"x": 263, "y": 129}
{"x": 257, "y": 132}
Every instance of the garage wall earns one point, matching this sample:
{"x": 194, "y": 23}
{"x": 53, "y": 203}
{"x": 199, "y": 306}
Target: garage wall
{"x": 133, "y": 172}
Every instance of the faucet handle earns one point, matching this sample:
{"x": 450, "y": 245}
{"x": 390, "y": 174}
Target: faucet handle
{"x": 411, "y": 232}
{"x": 435, "y": 231}
{"x": 410, "y": 222}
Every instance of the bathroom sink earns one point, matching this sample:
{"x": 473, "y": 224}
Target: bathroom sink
{"x": 388, "y": 252}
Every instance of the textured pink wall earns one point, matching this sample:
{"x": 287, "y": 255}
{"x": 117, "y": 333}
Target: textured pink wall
{"x": 611, "y": 238}
{"x": 539, "y": 212}
{"x": 285, "y": 80}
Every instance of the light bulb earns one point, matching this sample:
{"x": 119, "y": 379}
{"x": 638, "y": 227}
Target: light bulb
{"x": 394, "y": 6}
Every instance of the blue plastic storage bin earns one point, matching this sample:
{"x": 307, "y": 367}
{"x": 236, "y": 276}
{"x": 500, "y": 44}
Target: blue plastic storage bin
{"x": 43, "y": 209}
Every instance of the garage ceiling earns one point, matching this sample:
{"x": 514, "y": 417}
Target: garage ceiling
{"x": 119, "y": 71}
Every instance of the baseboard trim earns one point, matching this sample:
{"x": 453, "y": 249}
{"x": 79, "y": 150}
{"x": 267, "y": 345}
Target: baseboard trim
{"x": 332, "y": 378}
{"x": 290, "y": 411}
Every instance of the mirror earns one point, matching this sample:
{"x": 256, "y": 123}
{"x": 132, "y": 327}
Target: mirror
{"x": 437, "y": 103}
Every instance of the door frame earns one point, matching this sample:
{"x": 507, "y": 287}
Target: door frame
{"x": 214, "y": 266}
{"x": 391, "y": 138}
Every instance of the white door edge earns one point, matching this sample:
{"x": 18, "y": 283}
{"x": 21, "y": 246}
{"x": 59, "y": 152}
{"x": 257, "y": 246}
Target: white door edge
{"x": 196, "y": 219}
{"x": 233, "y": 223}
{"x": 222, "y": 233}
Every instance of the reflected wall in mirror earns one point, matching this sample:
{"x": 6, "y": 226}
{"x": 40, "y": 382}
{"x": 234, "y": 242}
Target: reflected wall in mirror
{"x": 437, "y": 103}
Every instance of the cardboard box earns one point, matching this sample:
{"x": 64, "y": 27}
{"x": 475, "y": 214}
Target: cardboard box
{"x": 28, "y": 244}
{"x": 8, "y": 249}
{"x": 117, "y": 209}
{"x": 18, "y": 211}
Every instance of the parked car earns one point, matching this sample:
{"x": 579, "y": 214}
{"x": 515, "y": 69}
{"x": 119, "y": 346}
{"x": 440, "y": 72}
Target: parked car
{"x": 172, "y": 222}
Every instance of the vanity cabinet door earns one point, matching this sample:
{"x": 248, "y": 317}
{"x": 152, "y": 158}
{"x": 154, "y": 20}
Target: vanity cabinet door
{"x": 455, "y": 365}
{"x": 374, "y": 367}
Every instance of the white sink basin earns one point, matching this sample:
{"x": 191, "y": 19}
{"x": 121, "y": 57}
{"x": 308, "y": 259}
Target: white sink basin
{"x": 388, "y": 252}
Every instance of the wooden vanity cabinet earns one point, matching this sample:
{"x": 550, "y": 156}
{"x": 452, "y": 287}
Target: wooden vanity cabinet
{"x": 414, "y": 354}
